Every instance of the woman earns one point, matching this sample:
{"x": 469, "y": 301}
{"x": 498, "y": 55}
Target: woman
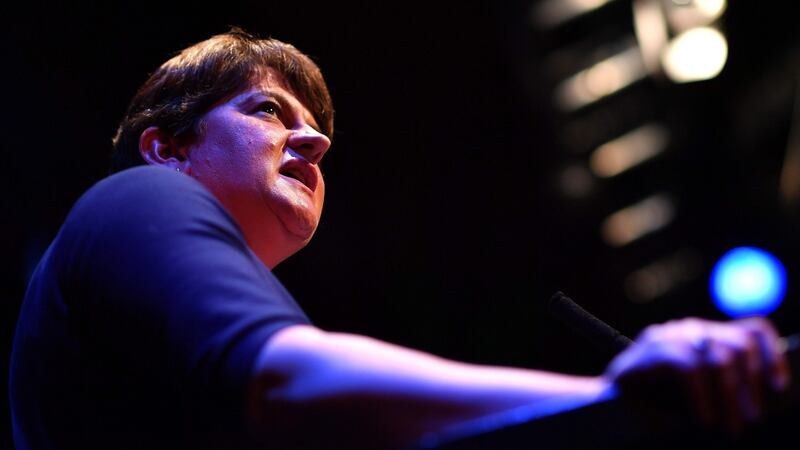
{"x": 153, "y": 320}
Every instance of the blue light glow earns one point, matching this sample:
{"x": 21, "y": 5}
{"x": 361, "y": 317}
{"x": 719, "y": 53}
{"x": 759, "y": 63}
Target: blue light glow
{"x": 748, "y": 281}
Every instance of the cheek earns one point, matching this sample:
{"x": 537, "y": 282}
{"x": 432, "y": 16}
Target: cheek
{"x": 320, "y": 194}
{"x": 245, "y": 154}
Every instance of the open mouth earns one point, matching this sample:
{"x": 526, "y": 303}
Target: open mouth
{"x": 300, "y": 171}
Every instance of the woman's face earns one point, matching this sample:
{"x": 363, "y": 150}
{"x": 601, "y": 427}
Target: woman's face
{"x": 259, "y": 153}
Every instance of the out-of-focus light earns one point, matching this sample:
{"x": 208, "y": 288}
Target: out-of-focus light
{"x": 652, "y": 32}
{"x": 711, "y": 8}
{"x": 602, "y": 79}
{"x": 551, "y": 13}
{"x": 629, "y": 150}
{"x": 697, "y": 54}
{"x": 576, "y": 181}
{"x": 683, "y": 15}
{"x": 790, "y": 172}
{"x": 662, "y": 276}
{"x": 748, "y": 281}
{"x": 638, "y": 220}
{"x": 790, "y": 178}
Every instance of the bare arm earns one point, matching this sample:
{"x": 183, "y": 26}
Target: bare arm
{"x": 316, "y": 389}
{"x": 312, "y": 383}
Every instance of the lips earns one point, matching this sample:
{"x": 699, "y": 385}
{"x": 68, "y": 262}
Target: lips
{"x": 301, "y": 171}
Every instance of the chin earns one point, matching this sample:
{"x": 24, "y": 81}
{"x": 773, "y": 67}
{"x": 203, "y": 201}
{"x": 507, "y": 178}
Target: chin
{"x": 301, "y": 223}
{"x": 301, "y": 231}
{"x": 303, "y": 238}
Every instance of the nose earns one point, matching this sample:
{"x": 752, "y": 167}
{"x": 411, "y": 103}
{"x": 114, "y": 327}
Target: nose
{"x": 309, "y": 143}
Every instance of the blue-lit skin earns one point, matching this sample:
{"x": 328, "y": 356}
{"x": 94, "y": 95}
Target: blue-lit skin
{"x": 748, "y": 281}
{"x": 259, "y": 154}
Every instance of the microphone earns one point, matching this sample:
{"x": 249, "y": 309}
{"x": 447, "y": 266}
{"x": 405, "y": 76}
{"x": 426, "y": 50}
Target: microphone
{"x": 581, "y": 321}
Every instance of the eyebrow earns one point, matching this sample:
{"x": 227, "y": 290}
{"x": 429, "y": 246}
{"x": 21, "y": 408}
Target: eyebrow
{"x": 285, "y": 103}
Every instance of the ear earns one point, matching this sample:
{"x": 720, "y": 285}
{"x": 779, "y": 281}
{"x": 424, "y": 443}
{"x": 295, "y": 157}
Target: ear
{"x": 160, "y": 149}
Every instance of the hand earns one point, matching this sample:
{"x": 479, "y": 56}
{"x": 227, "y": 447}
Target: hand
{"x": 718, "y": 370}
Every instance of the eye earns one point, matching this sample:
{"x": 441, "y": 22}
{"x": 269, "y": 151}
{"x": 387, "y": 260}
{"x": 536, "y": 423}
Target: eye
{"x": 269, "y": 107}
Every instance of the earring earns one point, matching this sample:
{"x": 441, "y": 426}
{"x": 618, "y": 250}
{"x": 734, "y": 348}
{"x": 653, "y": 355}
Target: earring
{"x": 177, "y": 169}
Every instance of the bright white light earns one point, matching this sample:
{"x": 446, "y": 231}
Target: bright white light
{"x": 712, "y": 9}
{"x": 748, "y": 281}
{"x": 686, "y": 15}
{"x": 698, "y": 54}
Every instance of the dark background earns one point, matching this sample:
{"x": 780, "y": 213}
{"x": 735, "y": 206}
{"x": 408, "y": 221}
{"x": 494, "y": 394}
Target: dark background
{"x": 445, "y": 228}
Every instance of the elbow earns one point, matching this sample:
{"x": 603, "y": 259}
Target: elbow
{"x": 302, "y": 395}
{"x": 289, "y": 370}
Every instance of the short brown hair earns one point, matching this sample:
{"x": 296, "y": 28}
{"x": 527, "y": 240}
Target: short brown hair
{"x": 177, "y": 95}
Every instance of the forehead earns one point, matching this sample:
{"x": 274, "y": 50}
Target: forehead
{"x": 268, "y": 82}
{"x": 269, "y": 78}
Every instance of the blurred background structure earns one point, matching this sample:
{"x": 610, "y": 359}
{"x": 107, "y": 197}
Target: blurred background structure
{"x": 486, "y": 155}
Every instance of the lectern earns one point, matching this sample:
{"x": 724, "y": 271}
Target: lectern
{"x": 616, "y": 423}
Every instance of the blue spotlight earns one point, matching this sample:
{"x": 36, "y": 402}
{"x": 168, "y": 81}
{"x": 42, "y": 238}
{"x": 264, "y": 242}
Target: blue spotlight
{"x": 748, "y": 281}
